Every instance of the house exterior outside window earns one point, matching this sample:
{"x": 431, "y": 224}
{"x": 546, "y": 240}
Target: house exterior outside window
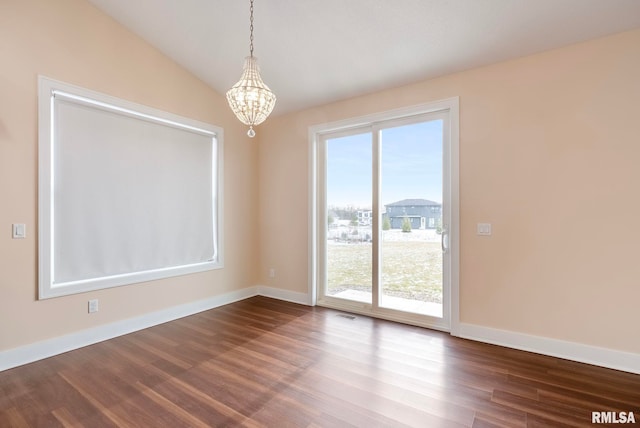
{"x": 415, "y": 210}
{"x": 364, "y": 217}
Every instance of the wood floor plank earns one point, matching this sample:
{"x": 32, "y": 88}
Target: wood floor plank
{"x": 267, "y": 363}
{"x": 551, "y": 411}
{"x": 12, "y": 417}
{"x": 189, "y": 396}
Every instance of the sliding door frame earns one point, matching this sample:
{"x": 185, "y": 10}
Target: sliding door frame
{"x": 447, "y": 109}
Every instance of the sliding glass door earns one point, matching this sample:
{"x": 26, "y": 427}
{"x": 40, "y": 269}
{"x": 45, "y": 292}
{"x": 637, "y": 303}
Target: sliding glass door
{"x": 349, "y": 251}
{"x": 384, "y": 219}
{"x": 411, "y": 257}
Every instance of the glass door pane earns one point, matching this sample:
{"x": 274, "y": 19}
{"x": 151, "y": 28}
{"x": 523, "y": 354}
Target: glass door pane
{"x": 348, "y": 204}
{"x": 411, "y": 259}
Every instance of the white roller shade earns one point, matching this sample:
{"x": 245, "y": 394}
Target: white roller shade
{"x": 132, "y": 193}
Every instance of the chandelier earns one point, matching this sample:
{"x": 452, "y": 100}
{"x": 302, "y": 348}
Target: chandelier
{"x": 250, "y": 99}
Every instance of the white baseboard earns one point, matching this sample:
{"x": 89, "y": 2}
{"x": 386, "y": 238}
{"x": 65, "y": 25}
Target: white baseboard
{"x": 604, "y": 357}
{"x": 286, "y": 295}
{"x": 48, "y": 348}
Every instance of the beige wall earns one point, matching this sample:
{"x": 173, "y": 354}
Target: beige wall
{"x": 549, "y": 154}
{"x": 71, "y": 41}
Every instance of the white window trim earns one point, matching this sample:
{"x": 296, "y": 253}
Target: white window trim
{"x": 47, "y": 89}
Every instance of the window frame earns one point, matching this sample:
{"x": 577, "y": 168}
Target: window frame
{"x": 48, "y": 89}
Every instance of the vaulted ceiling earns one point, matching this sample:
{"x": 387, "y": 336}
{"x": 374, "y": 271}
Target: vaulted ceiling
{"x": 316, "y": 51}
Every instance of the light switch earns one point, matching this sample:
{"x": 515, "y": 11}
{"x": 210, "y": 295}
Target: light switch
{"x": 19, "y": 231}
{"x": 484, "y": 229}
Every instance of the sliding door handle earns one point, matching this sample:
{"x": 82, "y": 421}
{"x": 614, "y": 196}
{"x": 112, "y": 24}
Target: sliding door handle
{"x": 444, "y": 237}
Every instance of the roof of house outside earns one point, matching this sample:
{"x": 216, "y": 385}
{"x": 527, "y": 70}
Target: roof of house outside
{"x": 413, "y": 203}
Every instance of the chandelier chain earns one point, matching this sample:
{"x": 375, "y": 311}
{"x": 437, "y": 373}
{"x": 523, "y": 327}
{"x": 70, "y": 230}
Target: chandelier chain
{"x": 251, "y": 29}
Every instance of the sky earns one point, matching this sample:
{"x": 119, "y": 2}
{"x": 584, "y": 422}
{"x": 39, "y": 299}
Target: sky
{"x": 411, "y": 165}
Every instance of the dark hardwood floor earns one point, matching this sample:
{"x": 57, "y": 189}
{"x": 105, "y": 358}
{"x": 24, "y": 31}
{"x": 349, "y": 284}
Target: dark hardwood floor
{"x": 262, "y": 362}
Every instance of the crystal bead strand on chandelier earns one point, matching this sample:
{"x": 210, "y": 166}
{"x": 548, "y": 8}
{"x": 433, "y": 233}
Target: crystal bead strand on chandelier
{"x": 250, "y": 99}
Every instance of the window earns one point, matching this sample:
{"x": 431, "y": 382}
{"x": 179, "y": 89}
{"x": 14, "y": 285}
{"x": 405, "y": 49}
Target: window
{"x": 126, "y": 193}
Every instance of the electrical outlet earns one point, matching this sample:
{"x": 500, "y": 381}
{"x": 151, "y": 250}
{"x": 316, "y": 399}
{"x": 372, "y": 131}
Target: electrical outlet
{"x": 272, "y": 273}
{"x": 93, "y": 306}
